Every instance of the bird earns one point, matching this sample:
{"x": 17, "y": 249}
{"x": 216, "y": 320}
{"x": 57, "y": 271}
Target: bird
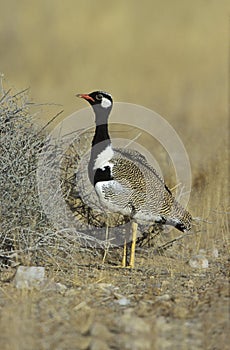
{"x": 125, "y": 182}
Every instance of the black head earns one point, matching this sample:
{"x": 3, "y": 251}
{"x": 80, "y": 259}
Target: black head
{"x": 98, "y": 99}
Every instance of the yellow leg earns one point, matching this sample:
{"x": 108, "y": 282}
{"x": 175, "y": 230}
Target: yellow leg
{"x": 124, "y": 258}
{"x": 132, "y": 253}
{"x": 133, "y": 246}
{"x": 107, "y": 242}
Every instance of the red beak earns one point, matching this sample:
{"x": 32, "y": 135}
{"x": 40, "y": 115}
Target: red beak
{"x": 86, "y": 97}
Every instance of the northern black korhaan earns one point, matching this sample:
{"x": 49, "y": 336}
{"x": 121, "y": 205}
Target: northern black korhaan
{"x": 125, "y": 182}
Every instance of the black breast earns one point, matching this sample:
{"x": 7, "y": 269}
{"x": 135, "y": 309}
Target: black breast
{"x": 102, "y": 175}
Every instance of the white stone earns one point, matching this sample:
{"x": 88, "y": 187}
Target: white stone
{"x": 198, "y": 262}
{"x": 123, "y": 301}
{"x": 29, "y": 277}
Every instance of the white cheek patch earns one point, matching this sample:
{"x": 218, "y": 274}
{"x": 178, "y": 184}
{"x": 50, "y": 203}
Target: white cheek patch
{"x": 105, "y": 102}
{"x": 103, "y": 158}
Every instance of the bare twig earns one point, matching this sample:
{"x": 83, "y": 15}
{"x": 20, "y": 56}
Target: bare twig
{"x": 171, "y": 242}
{"x": 49, "y": 122}
{"x": 4, "y": 95}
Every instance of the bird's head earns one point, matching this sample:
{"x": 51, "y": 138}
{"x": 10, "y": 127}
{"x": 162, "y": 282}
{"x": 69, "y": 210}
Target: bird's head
{"x": 101, "y": 102}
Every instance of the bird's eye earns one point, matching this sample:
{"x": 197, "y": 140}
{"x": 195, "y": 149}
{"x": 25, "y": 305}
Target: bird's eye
{"x": 99, "y": 97}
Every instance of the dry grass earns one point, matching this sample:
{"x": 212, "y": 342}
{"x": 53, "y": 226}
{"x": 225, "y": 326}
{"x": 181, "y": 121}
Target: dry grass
{"x": 26, "y": 235}
{"x": 21, "y": 214}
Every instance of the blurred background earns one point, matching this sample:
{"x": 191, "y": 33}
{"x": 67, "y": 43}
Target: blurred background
{"x": 170, "y": 56}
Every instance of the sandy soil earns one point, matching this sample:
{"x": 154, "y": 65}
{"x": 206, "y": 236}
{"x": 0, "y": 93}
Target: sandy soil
{"x": 161, "y": 304}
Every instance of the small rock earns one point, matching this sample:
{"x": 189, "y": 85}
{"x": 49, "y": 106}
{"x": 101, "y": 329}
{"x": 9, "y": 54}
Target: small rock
{"x": 29, "y": 277}
{"x": 198, "y": 262}
{"x": 123, "y": 301}
{"x": 60, "y": 287}
{"x": 215, "y": 253}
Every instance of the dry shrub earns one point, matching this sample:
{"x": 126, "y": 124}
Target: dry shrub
{"x": 24, "y": 228}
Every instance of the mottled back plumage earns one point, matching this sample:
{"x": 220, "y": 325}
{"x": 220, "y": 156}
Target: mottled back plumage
{"x": 141, "y": 193}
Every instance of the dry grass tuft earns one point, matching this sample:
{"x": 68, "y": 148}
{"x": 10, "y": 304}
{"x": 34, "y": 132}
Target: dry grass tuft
{"x": 24, "y": 227}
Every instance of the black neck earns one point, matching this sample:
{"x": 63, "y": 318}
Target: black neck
{"x": 100, "y": 140}
{"x": 101, "y": 136}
